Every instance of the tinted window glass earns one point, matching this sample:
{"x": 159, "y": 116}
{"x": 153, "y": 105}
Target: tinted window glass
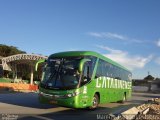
{"x": 109, "y": 70}
{"x": 88, "y": 70}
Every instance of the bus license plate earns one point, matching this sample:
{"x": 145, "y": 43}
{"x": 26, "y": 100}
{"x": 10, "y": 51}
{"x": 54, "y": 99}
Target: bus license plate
{"x": 53, "y": 102}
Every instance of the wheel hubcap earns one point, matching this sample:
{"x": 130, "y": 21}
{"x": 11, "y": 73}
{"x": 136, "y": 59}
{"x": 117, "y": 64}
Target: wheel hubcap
{"x": 94, "y": 102}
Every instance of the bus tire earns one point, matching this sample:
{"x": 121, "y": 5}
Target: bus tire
{"x": 124, "y": 98}
{"x": 95, "y": 102}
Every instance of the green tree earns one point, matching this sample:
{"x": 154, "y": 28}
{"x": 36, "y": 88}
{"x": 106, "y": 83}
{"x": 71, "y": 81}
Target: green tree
{"x": 9, "y": 50}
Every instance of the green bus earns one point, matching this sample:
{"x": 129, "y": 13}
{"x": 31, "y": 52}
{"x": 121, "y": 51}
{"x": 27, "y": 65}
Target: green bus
{"x": 83, "y": 79}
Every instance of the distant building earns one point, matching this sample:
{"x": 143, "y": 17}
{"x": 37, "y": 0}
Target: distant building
{"x": 155, "y": 85}
{"x": 152, "y": 85}
{"x": 139, "y": 82}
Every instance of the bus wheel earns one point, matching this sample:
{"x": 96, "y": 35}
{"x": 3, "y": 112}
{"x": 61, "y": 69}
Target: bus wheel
{"x": 124, "y": 98}
{"x": 95, "y": 102}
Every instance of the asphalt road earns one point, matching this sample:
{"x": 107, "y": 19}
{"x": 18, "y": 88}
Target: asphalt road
{"x": 26, "y": 106}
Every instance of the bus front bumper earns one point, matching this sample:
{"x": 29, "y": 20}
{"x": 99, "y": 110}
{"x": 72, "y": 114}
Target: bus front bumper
{"x": 72, "y": 102}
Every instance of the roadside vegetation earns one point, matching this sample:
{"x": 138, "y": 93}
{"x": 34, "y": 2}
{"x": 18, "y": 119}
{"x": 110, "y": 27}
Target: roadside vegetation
{"x": 9, "y": 50}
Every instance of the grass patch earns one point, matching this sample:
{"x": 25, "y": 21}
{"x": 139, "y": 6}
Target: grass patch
{"x": 5, "y": 80}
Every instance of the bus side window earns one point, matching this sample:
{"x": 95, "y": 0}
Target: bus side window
{"x": 99, "y": 69}
{"x": 86, "y": 73}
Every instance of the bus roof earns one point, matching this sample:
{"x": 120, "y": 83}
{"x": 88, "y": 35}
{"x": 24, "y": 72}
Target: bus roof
{"x": 86, "y": 53}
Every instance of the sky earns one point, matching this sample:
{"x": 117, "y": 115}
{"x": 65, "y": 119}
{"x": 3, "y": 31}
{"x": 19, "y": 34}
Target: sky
{"x": 126, "y": 31}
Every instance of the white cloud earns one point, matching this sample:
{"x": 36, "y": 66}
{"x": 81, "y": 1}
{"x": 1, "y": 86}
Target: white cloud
{"x": 129, "y": 61}
{"x": 158, "y": 43}
{"x": 95, "y": 34}
{"x": 108, "y": 35}
{"x": 114, "y": 36}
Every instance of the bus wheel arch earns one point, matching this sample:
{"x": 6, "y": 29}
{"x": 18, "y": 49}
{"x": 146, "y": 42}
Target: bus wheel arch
{"x": 98, "y": 94}
{"x": 125, "y": 96}
{"x": 95, "y": 101}
{"x": 124, "y": 99}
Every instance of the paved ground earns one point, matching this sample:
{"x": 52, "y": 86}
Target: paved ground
{"x": 27, "y": 105}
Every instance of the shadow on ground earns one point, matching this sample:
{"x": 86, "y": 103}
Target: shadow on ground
{"x": 24, "y": 99}
{"x": 81, "y": 114}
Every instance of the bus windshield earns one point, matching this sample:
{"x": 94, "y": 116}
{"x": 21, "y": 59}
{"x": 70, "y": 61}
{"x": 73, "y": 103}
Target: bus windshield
{"x": 61, "y": 73}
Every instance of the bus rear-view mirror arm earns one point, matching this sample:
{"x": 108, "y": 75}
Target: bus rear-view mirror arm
{"x": 37, "y": 64}
{"x": 82, "y": 62}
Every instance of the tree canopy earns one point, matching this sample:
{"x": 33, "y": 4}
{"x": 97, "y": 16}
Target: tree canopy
{"x": 9, "y": 50}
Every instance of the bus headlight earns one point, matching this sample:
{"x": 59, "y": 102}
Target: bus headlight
{"x": 69, "y": 95}
{"x": 72, "y": 94}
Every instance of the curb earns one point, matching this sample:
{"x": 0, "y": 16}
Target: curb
{"x": 133, "y": 112}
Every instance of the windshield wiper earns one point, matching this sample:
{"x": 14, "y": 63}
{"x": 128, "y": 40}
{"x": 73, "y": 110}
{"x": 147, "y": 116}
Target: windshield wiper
{"x": 59, "y": 73}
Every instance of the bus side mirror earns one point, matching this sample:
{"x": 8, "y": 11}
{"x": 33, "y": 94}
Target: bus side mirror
{"x": 37, "y": 64}
{"x": 82, "y": 62}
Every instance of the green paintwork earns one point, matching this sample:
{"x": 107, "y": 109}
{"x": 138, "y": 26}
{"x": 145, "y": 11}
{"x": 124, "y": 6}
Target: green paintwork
{"x": 103, "y": 87}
